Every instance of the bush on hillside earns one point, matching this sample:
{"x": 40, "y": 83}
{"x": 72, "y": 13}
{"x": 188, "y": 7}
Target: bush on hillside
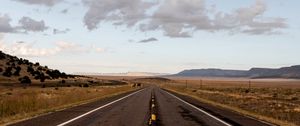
{"x": 30, "y": 69}
{"x": 7, "y": 72}
{"x": 37, "y": 64}
{"x": 25, "y": 80}
{"x": 17, "y": 72}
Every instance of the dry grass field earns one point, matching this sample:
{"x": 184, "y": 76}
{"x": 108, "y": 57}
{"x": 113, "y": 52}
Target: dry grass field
{"x": 19, "y": 103}
{"x": 273, "y": 100}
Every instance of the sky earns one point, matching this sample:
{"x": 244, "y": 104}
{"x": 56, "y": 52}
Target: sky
{"x": 161, "y": 36}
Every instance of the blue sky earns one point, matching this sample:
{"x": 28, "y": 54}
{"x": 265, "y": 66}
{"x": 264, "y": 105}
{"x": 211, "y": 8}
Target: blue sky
{"x": 164, "y": 36}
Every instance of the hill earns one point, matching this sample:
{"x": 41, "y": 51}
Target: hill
{"x": 284, "y": 72}
{"x": 15, "y": 70}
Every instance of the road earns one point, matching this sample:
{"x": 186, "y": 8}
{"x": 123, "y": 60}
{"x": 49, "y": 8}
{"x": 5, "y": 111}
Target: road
{"x": 151, "y": 105}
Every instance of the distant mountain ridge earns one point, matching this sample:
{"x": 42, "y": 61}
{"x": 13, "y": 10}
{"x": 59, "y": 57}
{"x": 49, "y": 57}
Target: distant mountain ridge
{"x": 284, "y": 72}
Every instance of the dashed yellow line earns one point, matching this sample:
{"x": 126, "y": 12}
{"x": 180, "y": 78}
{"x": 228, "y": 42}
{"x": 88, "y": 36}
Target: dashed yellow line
{"x": 153, "y": 117}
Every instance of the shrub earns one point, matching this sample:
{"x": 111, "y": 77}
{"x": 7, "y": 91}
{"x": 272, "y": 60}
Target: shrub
{"x": 55, "y": 74}
{"x": 25, "y": 80}
{"x": 42, "y": 79}
{"x": 40, "y": 68}
{"x": 20, "y": 62}
{"x": 7, "y": 72}
{"x": 63, "y": 81}
{"x": 63, "y": 75}
{"x": 1, "y": 70}
{"x": 247, "y": 91}
{"x": 86, "y": 85}
{"x": 36, "y": 73}
{"x": 294, "y": 98}
{"x": 37, "y": 64}
{"x": 13, "y": 65}
{"x": 47, "y": 77}
{"x": 26, "y": 62}
{"x": 30, "y": 69}
{"x": 17, "y": 72}
{"x": 2, "y": 55}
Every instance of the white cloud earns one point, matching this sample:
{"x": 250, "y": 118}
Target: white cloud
{"x": 29, "y": 24}
{"x": 26, "y": 24}
{"x": 175, "y": 16}
{"x": 181, "y": 18}
{"x": 5, "y": 26}
{"x": 48, "y": 3}
{"x": 124, "y": 12}
{"x": 96, "y": 49}
{"x": 1, "y": 36}
{"x": 22, "y": 48}
{"x": 249, "y": 20}
{"x": 25, "y": 49}
{"x": 71, "y": 47}
{"x": 99, "y": 50}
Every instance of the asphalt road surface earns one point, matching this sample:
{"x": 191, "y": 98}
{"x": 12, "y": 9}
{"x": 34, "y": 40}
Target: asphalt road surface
{"x": 148, "y": 106}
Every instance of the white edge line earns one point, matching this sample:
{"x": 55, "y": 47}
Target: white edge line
{"x": 71, "y": 120}
{"x": 225, "y": 123}
{"x": 262, "y": 121}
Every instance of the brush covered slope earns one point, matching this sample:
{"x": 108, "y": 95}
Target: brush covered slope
{"x": 18, "y": 70}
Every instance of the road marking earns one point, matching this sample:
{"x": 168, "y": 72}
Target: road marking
{"x": 225, "y": 123}
{"x": 71, "y": 120}
{"x": 153, "y": 117}
{"x": 261, "y": 121}
{"x": 152, "y": 120}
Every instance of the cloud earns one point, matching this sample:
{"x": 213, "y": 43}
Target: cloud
{"x": 148, "y": 40}
{"x": 26, "y": 24}
{"x": 72, "y": 47}
{"x": 249, "y": 20}
{"x": 182, "y": 18}
{"x": 57, "y": 31}
{"x": 21, "y": 48}
{"x": 48, "y": 3}
{"x": 1, "y": 36}
{"x": 26, "y": 49}
{"x": 64, "y": 11}
{"x": 99, "y": 50}
{"x": 5, "y": 26}
{"x": 29, "y": 24}
{"x": 173, "y": 17}
{"x": 125, "y": 12}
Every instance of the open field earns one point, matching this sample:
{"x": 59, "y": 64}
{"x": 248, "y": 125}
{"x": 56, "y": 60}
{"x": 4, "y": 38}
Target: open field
{"x": 19, "y": 103}
{"x": 238, "y": 82}
{"x": 273, "y": 100}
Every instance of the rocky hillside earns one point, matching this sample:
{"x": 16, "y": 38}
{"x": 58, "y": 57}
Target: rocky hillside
{"x": 15, "y": 70}
{"x": 284, "y": 72}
